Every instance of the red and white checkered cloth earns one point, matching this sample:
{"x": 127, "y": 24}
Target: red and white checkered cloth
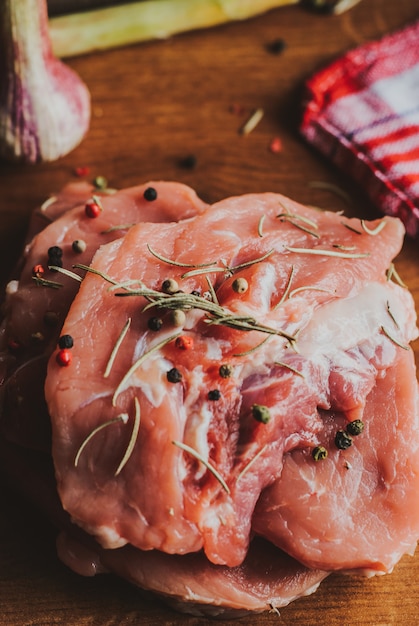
{"x": 362, "y": 111}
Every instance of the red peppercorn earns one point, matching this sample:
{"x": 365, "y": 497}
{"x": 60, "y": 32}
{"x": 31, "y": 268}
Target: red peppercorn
{"x": 184, "y": 343}
{"x": 13, "y": 345}
{"x": 83, "y": 170}
{"x": 64, "y": 357}
{"x": 92, "y": 209}
{"x": 38, "y": 270}
{"x": 275, "y": 145}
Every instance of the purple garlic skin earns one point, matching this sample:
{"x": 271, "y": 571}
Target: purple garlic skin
{"x": 44, "y": 105}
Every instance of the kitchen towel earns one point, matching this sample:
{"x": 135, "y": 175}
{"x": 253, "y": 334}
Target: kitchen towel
{"x": 362, "y": 111}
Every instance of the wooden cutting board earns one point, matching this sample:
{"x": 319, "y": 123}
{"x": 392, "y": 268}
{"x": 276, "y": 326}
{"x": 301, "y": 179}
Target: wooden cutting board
{"x": 153, "y": 105}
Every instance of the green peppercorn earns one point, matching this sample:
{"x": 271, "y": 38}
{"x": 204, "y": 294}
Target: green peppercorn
{"x": 343, "y": 440}
{"x": 261, "y": 413}
{"x": 100, "y": 182}
{"x": 356, "y": 427}
{"x": 319, "y": 453}
{"x": 225, "y": 370}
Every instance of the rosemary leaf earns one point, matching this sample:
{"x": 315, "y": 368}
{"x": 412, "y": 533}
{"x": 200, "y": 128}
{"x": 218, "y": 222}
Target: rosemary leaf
{"x": 92, "y": 270}
{"x": 309, "y": 288}
{"x": 116, "y": 348}
{"x": 251, "y": 462}
{"x": 287, "y": 288}
{"x": 373, "y": 231}
{"x": 212, "y": 291}
{"x": 252, "y": 262}
{"x": 319, "y": 184}
{"x": 137, "y": 364}
{"x": 335, "y": 253}
{"x": 133, "y": 438}
{"x": 164, "y": 259}
{"x": 68, "y": 273}
{"x": 260, "y": 225}
{"x": 120, "y": 418}
{"x": 118, "y": 227}
{"x": 208, "y": 465}
{"x": 259, "y": 345}
{"x": 288, "y": 367}
{"x": 204, "y": 270}
{"x": 43, "y": 282}
{"x": 393, "y": 339}
{"x": 391, "y": 272}
{"x": 390, "y": 312}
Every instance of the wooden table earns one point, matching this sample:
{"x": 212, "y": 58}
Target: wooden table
{"x": 153, "y": 105}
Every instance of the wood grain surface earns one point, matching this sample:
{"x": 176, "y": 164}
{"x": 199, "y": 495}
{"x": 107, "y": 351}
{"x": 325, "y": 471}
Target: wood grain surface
{"x": 153, "y": 105}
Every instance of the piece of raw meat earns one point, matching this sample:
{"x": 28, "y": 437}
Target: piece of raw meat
{"x": 37, "y": 299}
{"x": 156, "y": 446}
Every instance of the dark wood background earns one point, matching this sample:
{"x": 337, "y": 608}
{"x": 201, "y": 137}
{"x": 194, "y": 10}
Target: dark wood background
{"x": 153, "y": 105}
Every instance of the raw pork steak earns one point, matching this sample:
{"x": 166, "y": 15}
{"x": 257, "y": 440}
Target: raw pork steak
{"x": 219, "y": 366}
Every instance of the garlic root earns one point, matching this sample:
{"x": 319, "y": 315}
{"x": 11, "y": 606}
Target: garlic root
{"x": 44, "y": 105}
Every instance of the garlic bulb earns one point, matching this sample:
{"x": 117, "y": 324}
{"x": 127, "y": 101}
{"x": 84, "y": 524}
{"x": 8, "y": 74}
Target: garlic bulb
{"x": 44, "y": 105}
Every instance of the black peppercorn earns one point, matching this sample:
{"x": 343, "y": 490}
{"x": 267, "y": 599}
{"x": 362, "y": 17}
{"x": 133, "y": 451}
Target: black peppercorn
{"x": 343, "y": 440}
{"x": 214, "y": 394}
{"x": 174, "y": 376}
{"x": 65, "y": 341}
{"x": 150, "y": 194}
{"x": 155, "y": 323}
{"x": 355, "y": 428}
{"x": 55, "y": 252}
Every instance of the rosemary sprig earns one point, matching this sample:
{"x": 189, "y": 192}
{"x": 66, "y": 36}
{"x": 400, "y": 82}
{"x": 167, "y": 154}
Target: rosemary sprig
{"x": 229, "y": 271}
{"x": 199, "y": 457}
{"x": 132, "y": 439}
{"x": 120, "y": 418}
{"x": 335, "y": 253}
{"x": 137, "y": 364}
{"x": 393, "y": 339}
{"x": 116, "y": 348}
{"x": 373, "y": 231}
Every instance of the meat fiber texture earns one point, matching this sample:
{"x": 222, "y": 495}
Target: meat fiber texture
{"x": 216, "y": 351}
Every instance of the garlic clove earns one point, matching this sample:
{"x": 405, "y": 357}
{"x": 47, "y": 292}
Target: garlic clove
{"x": 44, "y": 105}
